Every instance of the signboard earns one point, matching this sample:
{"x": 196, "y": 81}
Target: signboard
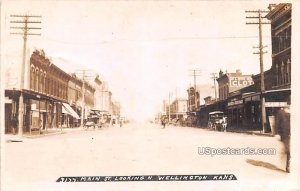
{"x": 7, "y": 100}
{"x": 35, "y": 114}
{"x": 236, "y": 102}
{"x": 33, "y": 106}
{"x": 240, "y": 81}
{"x": 276, "y": 104}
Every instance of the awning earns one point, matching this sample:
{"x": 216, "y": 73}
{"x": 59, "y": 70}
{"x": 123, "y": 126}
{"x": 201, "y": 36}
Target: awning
{"x": 68, "y": 109}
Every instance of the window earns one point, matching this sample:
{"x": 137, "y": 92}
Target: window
{"x": 41, "y": 81}
{"x": 282, "y": 73}
{"x": 32, "y": 77}
{"x": 277, "y": 74}
{"x": 44, "y": 83}
{"x": 288, "y": 71}
{"x": 36, "y": 86}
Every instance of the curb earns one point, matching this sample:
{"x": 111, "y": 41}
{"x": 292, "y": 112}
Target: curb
{"x": 253, "y": 133}
{"x": 242, "y": 132}
{"x": 20, "y": 139}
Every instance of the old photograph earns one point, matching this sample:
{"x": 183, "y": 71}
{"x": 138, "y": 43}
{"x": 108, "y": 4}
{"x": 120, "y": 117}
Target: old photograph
{"x": 149, "y": 95}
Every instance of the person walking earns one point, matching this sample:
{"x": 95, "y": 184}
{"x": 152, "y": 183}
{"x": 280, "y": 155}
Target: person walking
{"x": 164, "y": 121}
{"x": 283, "y": 128}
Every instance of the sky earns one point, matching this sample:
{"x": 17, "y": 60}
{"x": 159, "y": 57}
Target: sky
{"x": 143, "y": 49}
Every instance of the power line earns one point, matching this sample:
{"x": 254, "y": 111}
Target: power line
{"x": 153, "y": 40}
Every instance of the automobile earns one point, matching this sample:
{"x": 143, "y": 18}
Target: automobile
{"x": 217, "y": 121}
{"x": 89, "y": 124}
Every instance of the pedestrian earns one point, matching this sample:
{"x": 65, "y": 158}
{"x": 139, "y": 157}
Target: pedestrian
{"x": 164, "y": 121}
{"x": 283, "y": 128}
{"x": 14, "y": 124}
{"x": 113, "y": 122}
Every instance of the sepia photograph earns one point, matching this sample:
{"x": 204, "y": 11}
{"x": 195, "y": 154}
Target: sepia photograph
{"x": 149, "y": 95}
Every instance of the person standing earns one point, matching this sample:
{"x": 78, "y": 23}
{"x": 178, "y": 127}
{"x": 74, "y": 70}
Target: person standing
{"x": 283, "y": 128}
{"x": 164, "y": 121}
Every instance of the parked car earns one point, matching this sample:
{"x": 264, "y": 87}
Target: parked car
{"x": 217, "y": 121}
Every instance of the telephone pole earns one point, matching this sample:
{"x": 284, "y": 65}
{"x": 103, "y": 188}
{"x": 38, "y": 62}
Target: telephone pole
{"x": 195, "y": 73}
{"x": 169, "y": 107}
{"x": 260, "y": 17}
{"x": 21, "y": 27}
{"x": 214, "y": 77}
{"x": 84, "y": 76}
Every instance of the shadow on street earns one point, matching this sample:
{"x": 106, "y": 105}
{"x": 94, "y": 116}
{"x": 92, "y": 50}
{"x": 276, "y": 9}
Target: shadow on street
{"x": 263, "y": 164}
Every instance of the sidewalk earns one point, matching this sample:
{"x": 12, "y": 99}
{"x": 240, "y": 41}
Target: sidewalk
{"x": 35, "y": 134}
{"x": 245, "y": 131}
{"x": 254, "y": 132}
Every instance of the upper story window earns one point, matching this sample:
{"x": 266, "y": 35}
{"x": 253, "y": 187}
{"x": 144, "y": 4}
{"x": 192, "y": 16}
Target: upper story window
{"x": 32, "y": 77}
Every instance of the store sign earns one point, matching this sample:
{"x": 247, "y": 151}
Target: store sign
{"x": 276, "y": 104}
{"x": 33, "y": 106}
{"x": 240, "y": 81}
{"x": 7, "y": 100}
{"x": 236, "y": 102}
{"x": 35, "y": 114}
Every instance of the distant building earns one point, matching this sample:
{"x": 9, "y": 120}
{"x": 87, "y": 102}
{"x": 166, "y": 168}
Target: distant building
{"x": 178, "y": 108}
{"x": 97, "y": 84}
{"x": 75, "y": 99}
{"x": 165, "y": 107}
{"x": 89, "y": 101}
{"x": 208, "y": 100}
{"x": 193, "y": 98}
{"x": 116, "y": 108}
{"x": 230, "y": 82}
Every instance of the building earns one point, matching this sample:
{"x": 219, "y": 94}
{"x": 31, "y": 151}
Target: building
{"x": 230, "y": 82}
{"x": 193, "y": 99}
{"x": 278, "y": 78}
{"x": 44, "y": 92}
{"x": 89, "y": 101}
{"x": 208, "y": 100}
{"x": 75, "y": 100}
{"x": 178, "y": 108}
{"x": 281, "y": 27}
{"x": 116, "y": 108}
{"x": 97, "y": 84}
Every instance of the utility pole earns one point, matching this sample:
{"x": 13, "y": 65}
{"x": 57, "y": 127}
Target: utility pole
{"x": 169, "y": 107}
{"x": 84, "y": 77}
{"x": 23, "y": 26}
{"x": 177, "y": 104}
{"x": 195, "y": 73}
{"x": 214, "y": 77}
{"x": 261, "y": 53}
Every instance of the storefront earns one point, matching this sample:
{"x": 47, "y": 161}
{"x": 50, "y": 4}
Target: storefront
{"x": 252, "y": 111}
{"x": 235, "y": 112}
{"x": 41, "y": 112}
{"x": 70, "y": 117}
